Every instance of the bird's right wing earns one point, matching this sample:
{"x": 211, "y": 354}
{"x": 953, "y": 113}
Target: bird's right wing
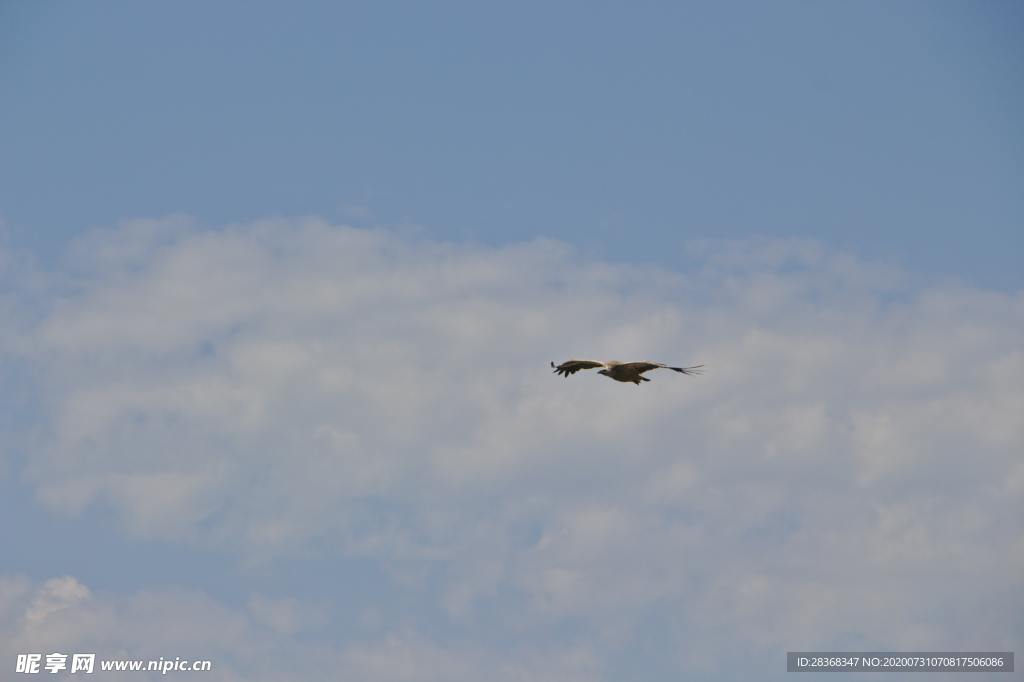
{"x": 572, "y": 366}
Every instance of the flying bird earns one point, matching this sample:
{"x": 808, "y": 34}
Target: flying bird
{"x": 621, "y": 371}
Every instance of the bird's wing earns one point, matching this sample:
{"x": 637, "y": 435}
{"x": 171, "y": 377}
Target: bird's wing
{"x": 641, "y": 367}
{"x": 572, "y": 366}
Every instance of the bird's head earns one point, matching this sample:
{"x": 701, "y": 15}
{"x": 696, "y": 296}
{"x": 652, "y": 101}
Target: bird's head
{"x": 603, "y": 371}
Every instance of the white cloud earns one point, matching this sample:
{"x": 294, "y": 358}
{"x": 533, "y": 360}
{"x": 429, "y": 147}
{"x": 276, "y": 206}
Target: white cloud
{"x": 55, "y": 596}
{"x": 257, "y": 644}
{"x": 285, "y": 615}
{"x": 844, "y": 472}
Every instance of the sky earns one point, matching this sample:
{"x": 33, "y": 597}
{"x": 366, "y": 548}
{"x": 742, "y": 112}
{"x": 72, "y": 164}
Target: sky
{"x": 280, "y": 283}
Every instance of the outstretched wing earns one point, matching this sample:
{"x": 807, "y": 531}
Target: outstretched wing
{"x": 572, "y": 366}
{"x": 641, "y": 367}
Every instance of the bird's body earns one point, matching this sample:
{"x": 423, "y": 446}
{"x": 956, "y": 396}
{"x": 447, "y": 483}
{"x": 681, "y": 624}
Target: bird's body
{"x": 628, "y": 372}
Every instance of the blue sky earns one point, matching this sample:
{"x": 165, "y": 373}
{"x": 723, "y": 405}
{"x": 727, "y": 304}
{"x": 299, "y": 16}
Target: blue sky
{"x": 279, "y": 284}
{"x": 891, "y": 130}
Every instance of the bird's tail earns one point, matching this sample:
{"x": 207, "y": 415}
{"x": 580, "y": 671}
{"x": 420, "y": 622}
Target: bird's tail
{"x": 696, "y": 369}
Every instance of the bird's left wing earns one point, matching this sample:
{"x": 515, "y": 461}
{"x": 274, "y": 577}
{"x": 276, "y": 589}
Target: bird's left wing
{"x": 572, "y": 366}
{"x": 641, "y": 367}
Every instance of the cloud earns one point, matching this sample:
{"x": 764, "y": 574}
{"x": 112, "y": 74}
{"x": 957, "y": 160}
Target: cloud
{"x": 55, "y": 596}
{"x": 407, "y": 656}
{"x": 286, "y": 616}
{"x": 258, "y": 643}
{"x": 846, "y": 471}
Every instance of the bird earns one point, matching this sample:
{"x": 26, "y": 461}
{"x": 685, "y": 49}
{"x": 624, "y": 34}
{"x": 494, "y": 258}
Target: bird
{"x": 621, "y": 371}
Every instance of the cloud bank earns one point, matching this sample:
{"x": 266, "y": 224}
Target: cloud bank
{"x": 847, "y": 474}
